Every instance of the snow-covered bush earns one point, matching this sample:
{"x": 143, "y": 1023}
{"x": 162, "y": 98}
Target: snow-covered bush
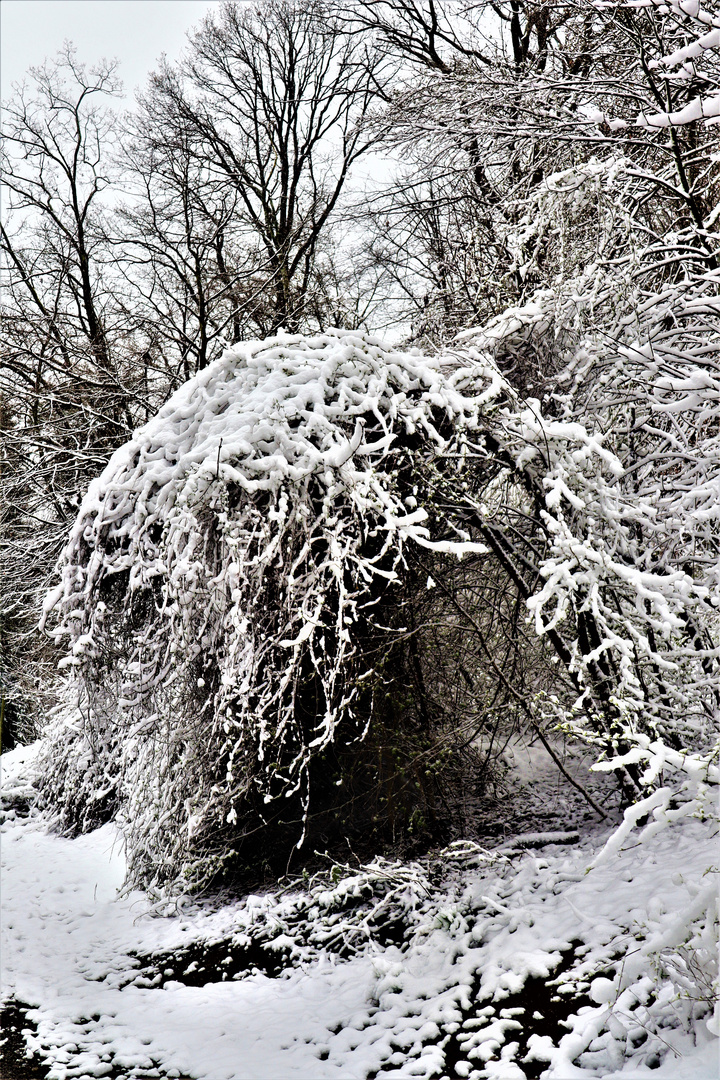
{"x": 240, "y": 589}
{"x": 232, "y": 595}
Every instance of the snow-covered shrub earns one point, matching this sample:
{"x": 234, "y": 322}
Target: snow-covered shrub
{"x": 240, "y": 589}
{"x": 232, "y": 595}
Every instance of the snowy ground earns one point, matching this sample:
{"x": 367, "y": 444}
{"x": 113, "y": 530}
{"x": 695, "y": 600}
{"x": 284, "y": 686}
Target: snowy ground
{"x": 533, "y": 794}
{"x": 509, "y": 964}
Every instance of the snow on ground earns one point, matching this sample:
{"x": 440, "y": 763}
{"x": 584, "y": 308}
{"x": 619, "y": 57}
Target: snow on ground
{"x": 528, "y": 791}
{"x": 473, "y": 964}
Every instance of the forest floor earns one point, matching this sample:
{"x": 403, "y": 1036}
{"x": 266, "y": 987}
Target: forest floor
{"x": 513, "y": 956}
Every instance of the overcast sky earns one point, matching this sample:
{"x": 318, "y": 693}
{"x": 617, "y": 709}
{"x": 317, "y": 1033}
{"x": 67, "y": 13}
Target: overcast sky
{"x": 134, "y": 31}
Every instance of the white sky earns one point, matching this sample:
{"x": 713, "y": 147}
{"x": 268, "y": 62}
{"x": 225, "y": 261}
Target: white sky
{"x": 134, "y": 31}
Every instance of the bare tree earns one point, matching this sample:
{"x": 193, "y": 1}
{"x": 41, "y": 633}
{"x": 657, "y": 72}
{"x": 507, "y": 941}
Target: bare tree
{"x": 56, "y": 140}
{"x": 67, "y": 387}
{"x": 455, "y": 116}
{"x": 188, "y": 280}
{"x": 270, "y": 104}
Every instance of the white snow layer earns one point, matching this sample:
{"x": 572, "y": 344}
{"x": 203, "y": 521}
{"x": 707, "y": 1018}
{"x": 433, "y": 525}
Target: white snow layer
{"x": 438, "y": 1004}
{"x": 271, "y": 412}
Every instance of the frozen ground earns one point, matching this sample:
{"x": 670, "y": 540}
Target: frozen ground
{"x": 508, "y": 964}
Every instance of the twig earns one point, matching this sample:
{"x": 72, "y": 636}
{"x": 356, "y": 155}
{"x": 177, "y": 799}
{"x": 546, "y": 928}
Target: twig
{"x": 521, "y": 701}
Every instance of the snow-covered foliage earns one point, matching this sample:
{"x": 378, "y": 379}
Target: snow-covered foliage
{"x": 228, "y": 589}
{"x": 231, "y": 573}
{"x": 630, "y": 496}
{"x": 693, "y": 62}
{"x": 623, "y": 451}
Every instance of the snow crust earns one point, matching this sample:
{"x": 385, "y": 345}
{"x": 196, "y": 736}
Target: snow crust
{"x": 71, "y": 940}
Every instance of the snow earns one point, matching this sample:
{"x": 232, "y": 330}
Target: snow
{"x": 542, "y": 839}
{"x": 707, "y": 108}
{"x": 278, "y": 407}
{"x": 72, "y": 939}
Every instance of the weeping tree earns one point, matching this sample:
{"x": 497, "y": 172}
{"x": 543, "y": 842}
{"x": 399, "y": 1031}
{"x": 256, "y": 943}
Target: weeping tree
{"x": 243, "y": 589}
{"x": 262, "y": 597}
{"x": 246, "y": 587}
{"x": 234, "y": 596}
